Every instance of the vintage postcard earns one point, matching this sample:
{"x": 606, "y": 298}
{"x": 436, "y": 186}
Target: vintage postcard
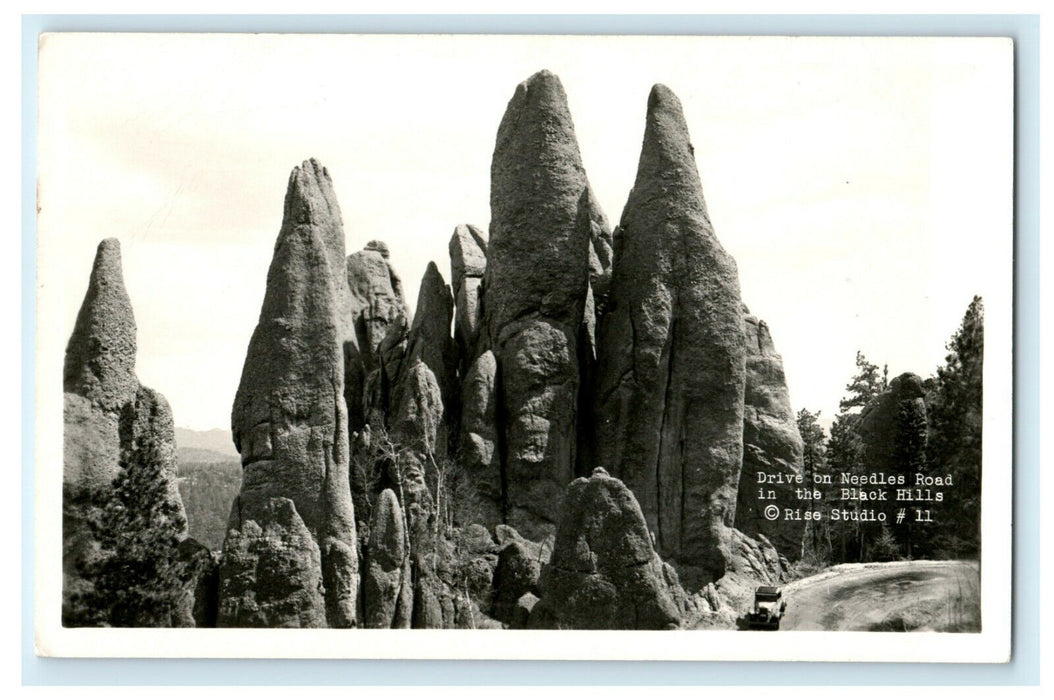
{"x": 524, "y": 347}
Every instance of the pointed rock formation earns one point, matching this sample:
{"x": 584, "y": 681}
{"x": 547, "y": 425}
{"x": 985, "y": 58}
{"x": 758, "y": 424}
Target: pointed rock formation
{"x": 121, "y": 506}
{"x": 386, "y": 588}
{"x": 601, "y": 254}
{"x": 424, "y": 397}
{"x": 290, "y": 425}
{"x": 120, "y": 469}
{"x": 604, "y": 572}
{"x": 99, "y": 375}
{"x": 671, "y": 355}
{"x": 468, "y": 264}
{"x": 377, "y": 307}
{"x": 771, "y": 444}
{"x": 423, "y": 400}
{"x": 536, "y": 284}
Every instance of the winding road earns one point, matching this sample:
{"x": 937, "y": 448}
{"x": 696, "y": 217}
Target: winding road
{"x": 942, "y": 596}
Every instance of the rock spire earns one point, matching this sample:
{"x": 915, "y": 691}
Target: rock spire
{"x": 671, "y": 354}
{"x": 290, "y": 425}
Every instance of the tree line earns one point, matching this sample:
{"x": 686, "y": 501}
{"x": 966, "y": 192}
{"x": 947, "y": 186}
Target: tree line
{"x": 932, "y": 428}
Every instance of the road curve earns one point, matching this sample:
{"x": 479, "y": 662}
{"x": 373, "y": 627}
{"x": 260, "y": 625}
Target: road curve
{"x": 942, "y": 596}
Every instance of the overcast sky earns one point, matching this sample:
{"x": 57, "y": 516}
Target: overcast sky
{"x": 863, "y": 185}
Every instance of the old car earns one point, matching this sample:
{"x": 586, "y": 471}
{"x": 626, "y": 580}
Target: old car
{"x": 769, "y": 607}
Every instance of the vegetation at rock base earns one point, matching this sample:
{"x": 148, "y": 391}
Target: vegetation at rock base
{"x": 138, "y": 576}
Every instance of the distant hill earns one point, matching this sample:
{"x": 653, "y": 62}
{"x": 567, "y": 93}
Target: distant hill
{"x": 199, "y": 454}
{"x": 217, "y": 440}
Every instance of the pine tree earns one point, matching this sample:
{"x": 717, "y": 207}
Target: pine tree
{"x": 885, "y": 547}
{"x": 955, "y": 413}
{"x": 814, "y": 462}
{"x": 138, "y": 582}
{"x": 909, "y": 458}
{"x": 845, "y": 451}
{"x": 868, "y": 383}
{"x": 815, "y": 451}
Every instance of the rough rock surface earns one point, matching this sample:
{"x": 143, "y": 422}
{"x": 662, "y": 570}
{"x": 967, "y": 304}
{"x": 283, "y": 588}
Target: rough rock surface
{"x": 290, "y": 423}
{"x": 536, "y": 280}
{"x": 671, "y": 354}
{"x": 423, "y": 399}
{"x": 521, "y": 615}
{"x": 377, "y": 307}
{"x": 771, "y": 444}
{"x": 515, "y": 575}
{"x": 271, "y": 571}
{"x": 386, "y": 581}
{"x": 433, "y": 606}
{"x": 601, "y": 253}
{"x": 468, "y": 264}
{"x": 202, "y": 576}
{"x": 604, "y": 572}
{"x": 424, "y": 396}
{"x": 148, "y": 441}
{"x": 886, "y": 424}
{"x": 601, "y": 257}
{"x": 482, "y": 498}
{"x": 541, "y": 551}
{"x": 99, "y": 374}
{"x": 757, "y": 558}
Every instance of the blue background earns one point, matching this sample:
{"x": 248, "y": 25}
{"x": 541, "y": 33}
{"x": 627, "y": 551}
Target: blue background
{"x": 1024, "y": 667}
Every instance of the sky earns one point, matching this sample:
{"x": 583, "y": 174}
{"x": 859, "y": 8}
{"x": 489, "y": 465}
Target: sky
{"x": 864, "y": 186}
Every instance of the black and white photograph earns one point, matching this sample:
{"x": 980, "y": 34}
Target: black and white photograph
{"x": 701, "y": 343}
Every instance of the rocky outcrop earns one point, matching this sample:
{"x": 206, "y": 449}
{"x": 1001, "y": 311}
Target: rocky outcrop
{"x": 433, "y": 606}
{"x": 601, "y": 253}
{"x": 424, "y": 399}
{"x": 99, "y": 375}
{"x": 481, "y": 496}
{"x": 756, "y": 558}
{"x": 604, "y": 572}
{"x": 671, "y": 354}
{"x": 290, "y": 426}
{"x": 200, "y": 603}
{"x": 480, "y": 461}
{"x": 536, "y": 284}
{"x": 515, "y": 575}
{"x": 148, "y": 444}
{"x": 386, "y": 588}
{"x": 271, "y": 571}
{"x": 122, "y": 512}
{"x": 424, "y": 396}
{"x": 601, "y": 258}
{"x": 378, "y": 309}
{"x": 468, "y": 264}
{"x": 893, "y": 427}
{"x": 772, "y": 445}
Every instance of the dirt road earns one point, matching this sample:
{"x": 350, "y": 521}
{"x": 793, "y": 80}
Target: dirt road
{"x": 941, "y": 596}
